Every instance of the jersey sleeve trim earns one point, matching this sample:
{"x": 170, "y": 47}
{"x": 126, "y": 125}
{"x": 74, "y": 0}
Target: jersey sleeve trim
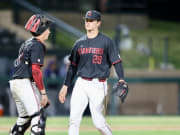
{"x": 116, "y": 61}
{"x": 38, "y": 64}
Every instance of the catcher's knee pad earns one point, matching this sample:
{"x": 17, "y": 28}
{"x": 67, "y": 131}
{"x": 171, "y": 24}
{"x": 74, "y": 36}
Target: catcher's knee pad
{"x": 36, "y": 130}
{"x": 19, "y": 129}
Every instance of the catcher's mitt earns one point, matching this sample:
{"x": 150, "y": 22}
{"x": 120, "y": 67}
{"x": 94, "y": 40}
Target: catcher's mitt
{"x": 121, "y": 90}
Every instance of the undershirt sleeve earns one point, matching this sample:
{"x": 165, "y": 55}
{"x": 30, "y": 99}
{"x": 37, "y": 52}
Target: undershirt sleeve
{"x": 37, "y": 76}
{"x": 70, "y": 75}
{"x": 74, "y": 57}
{"x": 119, "y": 70}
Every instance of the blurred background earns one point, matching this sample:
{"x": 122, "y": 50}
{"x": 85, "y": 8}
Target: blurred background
{"x": 146, "y": 33}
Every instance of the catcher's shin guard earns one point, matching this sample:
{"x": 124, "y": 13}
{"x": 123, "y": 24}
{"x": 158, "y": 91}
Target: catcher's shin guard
{"x": 41, "y": 124}
{"x": 19, "y": 129}
{"x": 35, "y": 129}
{"x": 43, "y": 118}
{"x": 42, "y": 121}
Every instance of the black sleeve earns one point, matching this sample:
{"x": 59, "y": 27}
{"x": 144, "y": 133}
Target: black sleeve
{"x": 74, "y": 57}
{"x": 37, "y": 54}
{"x": 119, "y": 70}
{"x": 113, "y": 53}
{"x": 70, "y": 75}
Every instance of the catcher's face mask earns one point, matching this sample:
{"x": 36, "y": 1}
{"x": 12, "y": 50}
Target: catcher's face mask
{"x": 37, "y": 24}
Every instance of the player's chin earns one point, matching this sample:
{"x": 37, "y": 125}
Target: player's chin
{"x": 47, "y": 37}
{"x": 88, "y": 28}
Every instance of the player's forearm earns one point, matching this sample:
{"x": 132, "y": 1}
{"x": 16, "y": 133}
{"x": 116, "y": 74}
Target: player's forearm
{"x": 70, "y": 75}
{"x": 37, "y": 76}
{"x": 119, "y": 70}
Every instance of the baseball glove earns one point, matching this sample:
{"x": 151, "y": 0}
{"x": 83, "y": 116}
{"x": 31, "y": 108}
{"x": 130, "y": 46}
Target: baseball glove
{"x": 121, "y": 90}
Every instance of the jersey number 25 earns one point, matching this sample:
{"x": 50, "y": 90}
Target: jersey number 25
{"x": 97, "y": 59}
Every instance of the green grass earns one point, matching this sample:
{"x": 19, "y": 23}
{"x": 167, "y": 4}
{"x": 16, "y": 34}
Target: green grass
{"x": 123, "y": 125}
{"x": 157, "y": 31}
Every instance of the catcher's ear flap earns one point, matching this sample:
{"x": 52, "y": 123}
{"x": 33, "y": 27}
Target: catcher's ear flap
{"x": 33, "y": 23}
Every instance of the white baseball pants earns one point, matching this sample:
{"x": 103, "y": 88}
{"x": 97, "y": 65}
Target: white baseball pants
{"x": 92, "y": 92}
{"x": 27, "y": 99}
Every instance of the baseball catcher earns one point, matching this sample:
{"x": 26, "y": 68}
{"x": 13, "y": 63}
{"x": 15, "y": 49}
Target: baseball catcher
{"x": 121, "y": 90}
{"x": 27, "y": 86}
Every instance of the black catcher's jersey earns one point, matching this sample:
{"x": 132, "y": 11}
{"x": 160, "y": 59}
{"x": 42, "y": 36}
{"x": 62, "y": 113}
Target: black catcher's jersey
{"x": 30, "y": 52}
{"x": 94, "y": 57}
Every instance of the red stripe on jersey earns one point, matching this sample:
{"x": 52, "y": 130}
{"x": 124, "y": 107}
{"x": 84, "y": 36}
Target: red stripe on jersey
{"x": 116, "y": 61}
{"x": 38, "y": 64}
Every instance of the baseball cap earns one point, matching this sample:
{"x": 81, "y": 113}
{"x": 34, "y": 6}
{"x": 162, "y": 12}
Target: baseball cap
{"x": 93, "y": 14}
{"x": 38, "y": 24}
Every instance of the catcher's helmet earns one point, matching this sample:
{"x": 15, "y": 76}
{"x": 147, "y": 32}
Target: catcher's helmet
{"x": 37, "y": 24}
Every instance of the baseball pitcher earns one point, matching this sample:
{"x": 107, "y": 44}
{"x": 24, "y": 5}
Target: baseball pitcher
{"x": 91, "y": 59}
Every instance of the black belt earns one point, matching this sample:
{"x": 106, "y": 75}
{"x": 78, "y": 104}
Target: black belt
{"x": 14, "y": 78}
{"x": 90, "y": 79}
{"x": 17, "y": 78}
